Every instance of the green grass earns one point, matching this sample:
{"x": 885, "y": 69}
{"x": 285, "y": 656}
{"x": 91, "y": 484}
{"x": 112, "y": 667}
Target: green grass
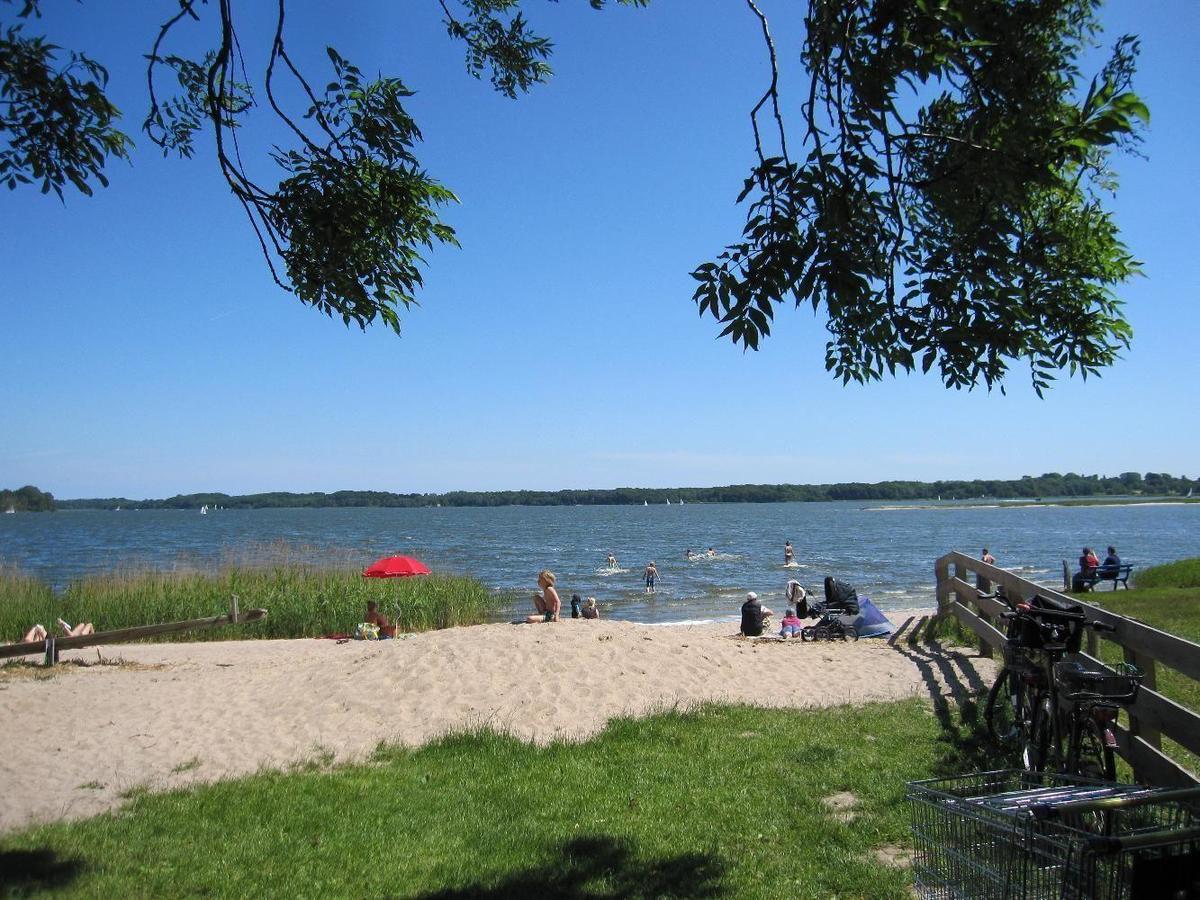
{"x": 302, "y": 600}
{"x": 1168, "y": 598}
{"x": 1182, "y": 574}
{"x": 719, "y": 801}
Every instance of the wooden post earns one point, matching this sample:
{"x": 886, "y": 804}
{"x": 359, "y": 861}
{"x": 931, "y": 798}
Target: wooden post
{"x": 1066, "y": 578}
{"x": 51, "y": 650}
{"x": 233, "y": 609}
{"x": 1150, "y": 735}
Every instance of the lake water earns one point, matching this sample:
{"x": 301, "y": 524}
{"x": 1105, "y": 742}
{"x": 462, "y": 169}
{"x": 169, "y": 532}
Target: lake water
{"x": 887, "y": 553}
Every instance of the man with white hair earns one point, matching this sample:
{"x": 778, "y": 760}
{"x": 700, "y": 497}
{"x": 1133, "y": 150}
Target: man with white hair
{"x": 754, "y": 616}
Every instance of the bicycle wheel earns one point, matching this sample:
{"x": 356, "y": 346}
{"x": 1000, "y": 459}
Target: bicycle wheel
{"x": 1002, "y": 710}
{"x": 1040, "y": 751}
{"x": 1090, "y": 754}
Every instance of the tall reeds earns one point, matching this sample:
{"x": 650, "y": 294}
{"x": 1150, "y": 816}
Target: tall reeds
{"x": 302, "y": 600}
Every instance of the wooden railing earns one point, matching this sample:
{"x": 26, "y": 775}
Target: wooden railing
{"x": 52, "y": 645}
{"x": 960, "y": 579}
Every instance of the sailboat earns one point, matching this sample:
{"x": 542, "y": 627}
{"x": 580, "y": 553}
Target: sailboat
{"x": 645, "y": 503}
{"x": 11, "y": 511}
{"x": 668, "y": 503}
{"x": 681, "y": 501}
{"x": 204, "y": 510}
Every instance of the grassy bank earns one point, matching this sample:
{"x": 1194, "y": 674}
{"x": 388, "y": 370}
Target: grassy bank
{"x": 302, "y": 601}
{"x": 1167, "y": 597}
{"x": 729, "y": 802}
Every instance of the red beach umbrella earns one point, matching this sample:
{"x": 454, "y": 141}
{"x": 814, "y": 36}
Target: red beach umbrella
{"x": 395, "y": 567}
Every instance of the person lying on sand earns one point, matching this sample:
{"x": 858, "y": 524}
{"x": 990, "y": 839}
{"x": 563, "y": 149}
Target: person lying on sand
{"x": 790, "y": 625}
{"x": 545, "y": 601}
{"x": 375, "y": 617}
{"x": 38, "y": 632}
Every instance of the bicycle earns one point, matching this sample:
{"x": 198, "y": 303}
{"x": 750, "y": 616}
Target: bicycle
{"x": 1059, "y": 713}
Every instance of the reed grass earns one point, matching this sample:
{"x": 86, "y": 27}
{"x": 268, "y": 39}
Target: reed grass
{"x": 1182, "y": 574}
{"x": 302, "y": 600}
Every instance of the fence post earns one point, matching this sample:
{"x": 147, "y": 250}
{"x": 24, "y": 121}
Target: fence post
{"x": 941, "y": 571}
{"x": 1150, "y": 735}
{"x": 1066, "y": 578}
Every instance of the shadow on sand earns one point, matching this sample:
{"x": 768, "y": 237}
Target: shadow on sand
{"x": 958, "y": 698}
{"x": 598, "y": 867}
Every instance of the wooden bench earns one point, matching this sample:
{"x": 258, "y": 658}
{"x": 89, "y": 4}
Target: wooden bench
{"x": 1119, "y": 575}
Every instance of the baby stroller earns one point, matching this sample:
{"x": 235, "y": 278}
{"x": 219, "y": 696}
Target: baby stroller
{"x": 841, "y": 603}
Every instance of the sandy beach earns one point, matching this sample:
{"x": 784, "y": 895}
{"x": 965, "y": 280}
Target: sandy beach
{"x": 174, "y": 714}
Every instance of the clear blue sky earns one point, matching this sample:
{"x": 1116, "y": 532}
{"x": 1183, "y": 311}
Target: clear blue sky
{"x": 144, "y": 350}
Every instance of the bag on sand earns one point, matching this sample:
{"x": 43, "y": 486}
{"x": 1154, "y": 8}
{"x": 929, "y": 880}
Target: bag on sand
{"x": 365, "y": 631}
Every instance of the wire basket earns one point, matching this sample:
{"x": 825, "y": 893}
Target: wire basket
{"x": 1077, "y": 683}
{"x": 1017, "y": 834}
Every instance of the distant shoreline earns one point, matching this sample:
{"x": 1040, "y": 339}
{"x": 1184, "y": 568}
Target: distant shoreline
{"x": 1061, "y": 490}
{"x": 1025, "y": 504}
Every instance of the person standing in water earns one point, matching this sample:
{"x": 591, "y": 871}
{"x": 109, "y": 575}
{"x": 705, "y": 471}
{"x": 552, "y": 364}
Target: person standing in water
{"x": 651, "y": 577}
{"x": 982, "y": 583}
{"x": 612, "y": 560}
{"x": 789, "y": 556}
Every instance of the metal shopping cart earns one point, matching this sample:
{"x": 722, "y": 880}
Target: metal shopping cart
{"x": 1018, "y": 834}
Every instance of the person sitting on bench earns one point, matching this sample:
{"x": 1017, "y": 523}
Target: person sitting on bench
{"x": 1088, "y": 563}
{"x": 1111, "y": 567}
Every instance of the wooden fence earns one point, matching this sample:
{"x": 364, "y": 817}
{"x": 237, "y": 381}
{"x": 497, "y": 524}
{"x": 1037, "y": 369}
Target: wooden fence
{"x": 52, "y": 645}
{"x": 960, "y": 579}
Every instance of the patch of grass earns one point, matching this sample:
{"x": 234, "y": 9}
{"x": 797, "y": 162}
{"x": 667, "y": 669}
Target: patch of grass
{"x": 1174, "y": 610}
{"x": 1182, "y": 574}
{"x": 190, "y": 766}
{"x": 302, "y": 600}
{"x": 676, "y": 805}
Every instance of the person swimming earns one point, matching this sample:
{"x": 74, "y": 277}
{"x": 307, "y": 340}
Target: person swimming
{"x": 711, "y": 552}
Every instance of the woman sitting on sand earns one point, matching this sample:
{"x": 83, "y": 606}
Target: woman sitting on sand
{"x": 546, "y": 600}
{"x": 590, "y": 611}
{"x": 378, "y": 619}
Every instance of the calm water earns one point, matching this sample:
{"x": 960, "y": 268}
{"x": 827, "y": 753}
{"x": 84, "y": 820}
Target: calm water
{"x": 887, "y": 553}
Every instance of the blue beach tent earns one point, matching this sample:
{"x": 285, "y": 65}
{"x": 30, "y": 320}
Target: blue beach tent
{"x": 869, "y": 622}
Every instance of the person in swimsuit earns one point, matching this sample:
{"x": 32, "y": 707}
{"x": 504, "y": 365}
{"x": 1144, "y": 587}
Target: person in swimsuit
{"x": 789, "y": 557}
{"x": 546, "y": 601}
{"x": 378, "y": 619}
{"x": 651, "y": 577}
{"x": 711, "y": 552}
{"x": 612, "y": 561}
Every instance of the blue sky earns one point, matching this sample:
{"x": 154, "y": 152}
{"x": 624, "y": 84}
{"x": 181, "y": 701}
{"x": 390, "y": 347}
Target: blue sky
{"x": 144, "y": 350}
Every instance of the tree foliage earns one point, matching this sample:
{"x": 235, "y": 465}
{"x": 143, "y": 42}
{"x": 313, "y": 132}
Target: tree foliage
{"x": 947, "y": 209}
{"x": 57, "y": 124}
{"x": 26, "y": 499}
{"x": 941, "y": 203}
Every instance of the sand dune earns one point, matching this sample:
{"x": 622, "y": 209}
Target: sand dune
{"x": 174, "y": 714}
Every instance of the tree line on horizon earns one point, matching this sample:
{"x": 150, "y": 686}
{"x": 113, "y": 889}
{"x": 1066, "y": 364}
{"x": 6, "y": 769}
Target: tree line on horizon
{"x": 1051, "y": 484}
{"x": 26, "y": 499}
